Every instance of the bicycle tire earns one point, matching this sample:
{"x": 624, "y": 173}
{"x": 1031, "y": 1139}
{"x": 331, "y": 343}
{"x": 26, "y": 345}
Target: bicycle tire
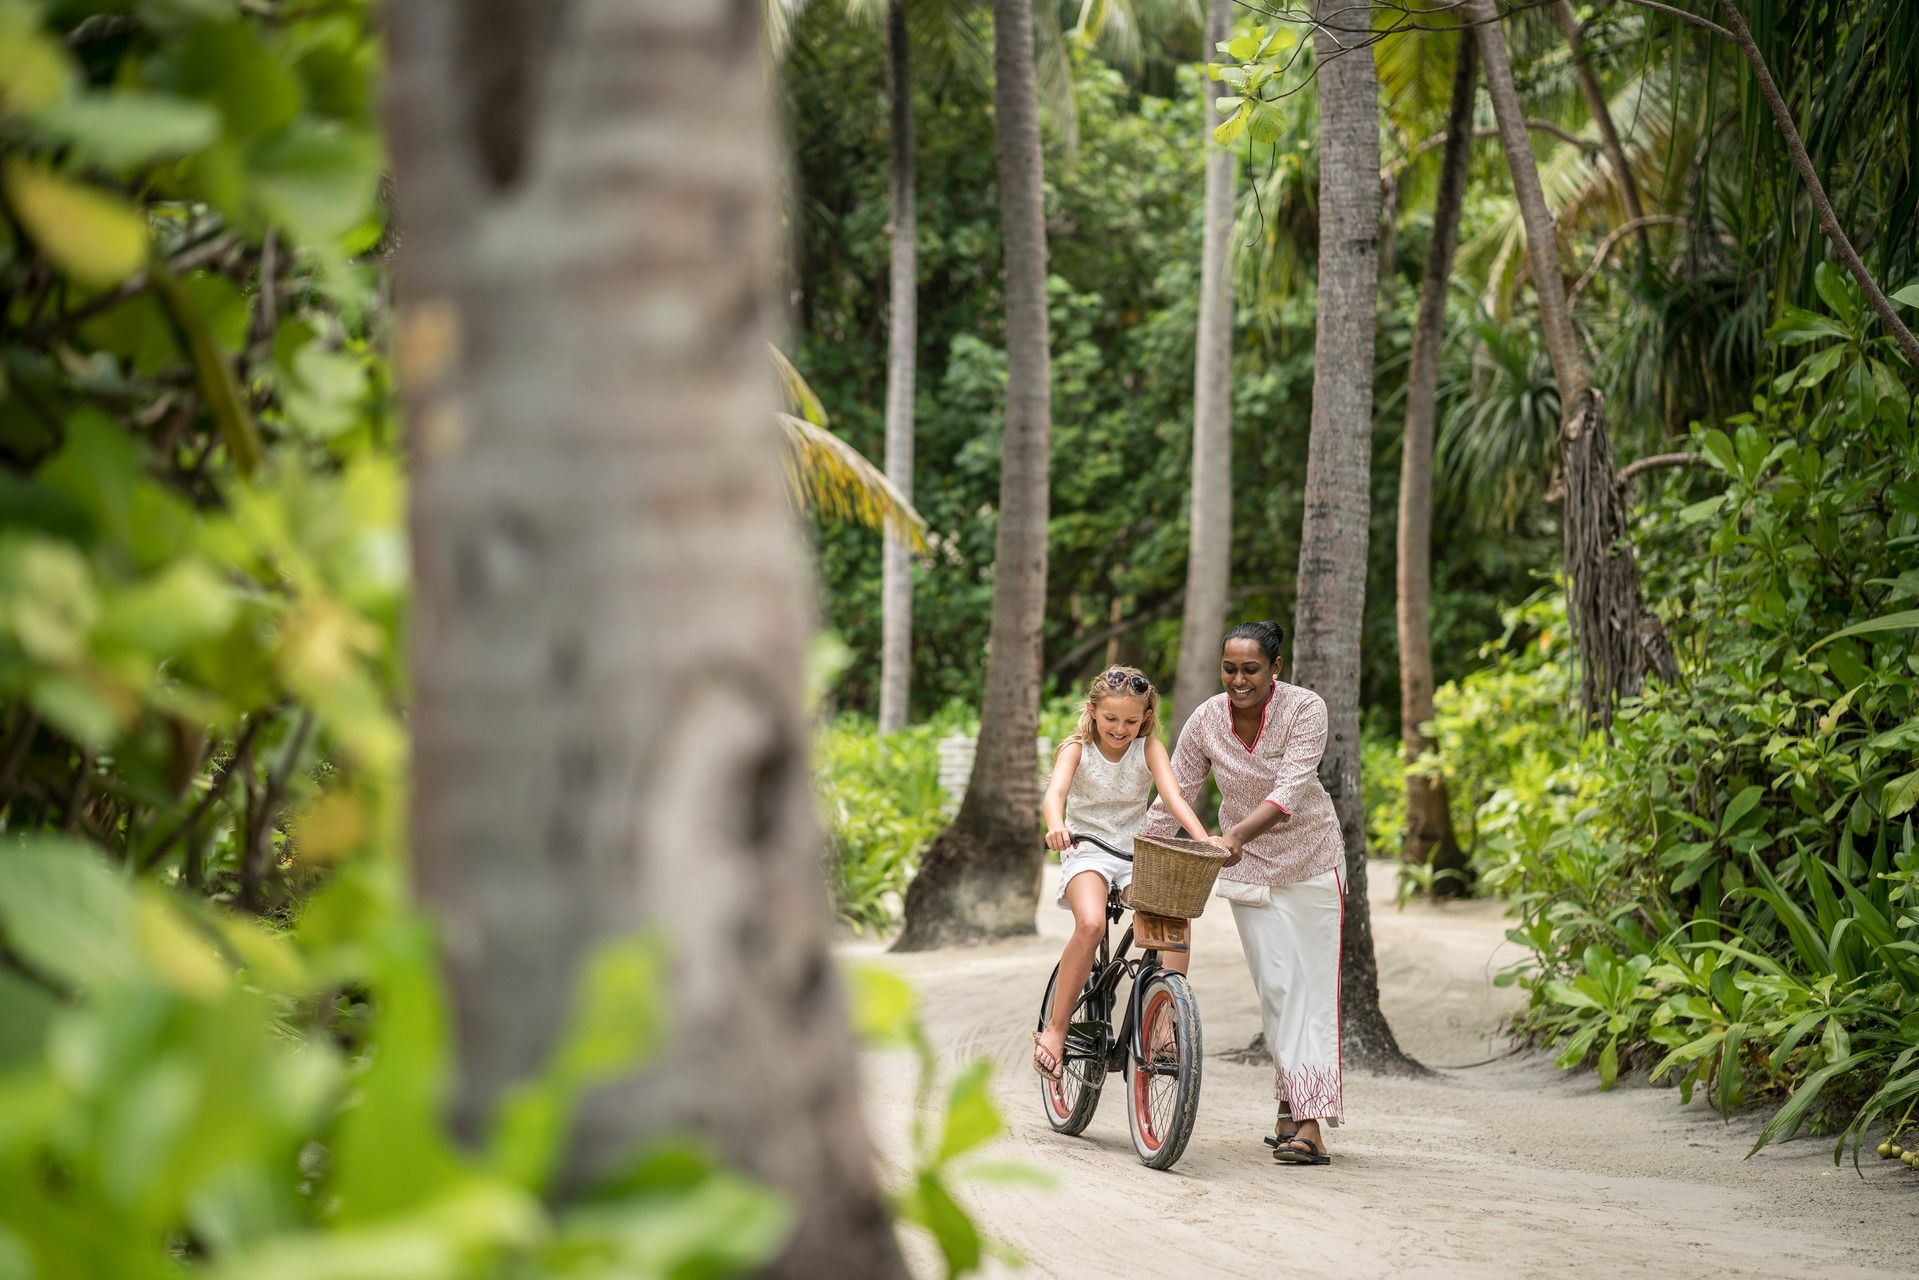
{"x": 1069, "y": 1102}
{"x": 1163, "y": 1102}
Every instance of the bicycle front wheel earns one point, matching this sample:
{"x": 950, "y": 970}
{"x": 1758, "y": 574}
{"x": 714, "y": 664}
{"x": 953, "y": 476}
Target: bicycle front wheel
{"x": 1070, "y": 1101}
{"x": 1163, "y": 1090}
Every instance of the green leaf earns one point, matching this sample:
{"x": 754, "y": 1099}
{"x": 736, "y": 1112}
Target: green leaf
{"x": 1900, "y": 794}
{"x": 930, "y": 1205}
{"x": 1837, "y": 291}
{"x": 1243, "y": 48}
{"x": 1902, "y": 621}
{"x": 317, "y": 180}
{"x": 97, "y": 238}
{"x": 35, "y": 71}
{"x": 882, "y": 1004}
{"x": 1796, "y": 324}
{"x": 186, "y": 603}
{"x": 618, "y": 1018}
{"x": 65, "y": 914}
{"x": 971, "y": 1117}
{"x": 229, "y": 66}
{"x": 1741, "y": 805}
{"x": 1908, "y": 296}
{"x": 1226, "y": 134}
{"x": 215, "y": 376}
{"x": 1609, "y": 1065}
{"x": 125, "y": 127}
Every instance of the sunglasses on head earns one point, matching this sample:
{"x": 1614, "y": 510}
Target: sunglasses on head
{"x": 1117, "y": 679}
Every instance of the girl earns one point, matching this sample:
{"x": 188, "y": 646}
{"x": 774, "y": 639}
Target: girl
{"x": 1102, "y": 780}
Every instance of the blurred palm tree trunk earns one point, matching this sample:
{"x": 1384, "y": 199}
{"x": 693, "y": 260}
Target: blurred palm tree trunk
{"x": 980, "y": 877}
{"x": 610, "y": 612}
{"x": 1429, "y": 823}
{"x": 1209, "y": 554}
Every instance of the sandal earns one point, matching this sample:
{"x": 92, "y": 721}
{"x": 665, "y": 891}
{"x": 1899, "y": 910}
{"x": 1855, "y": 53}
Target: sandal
{"x": 1274, "y": 1138}
{"x": 1053, "y": 1070}
{"x": 1298, "y": 1150}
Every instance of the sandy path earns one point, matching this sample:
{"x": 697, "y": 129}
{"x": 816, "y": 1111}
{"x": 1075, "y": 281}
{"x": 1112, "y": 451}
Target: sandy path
{"x": 1509, "y": 1169}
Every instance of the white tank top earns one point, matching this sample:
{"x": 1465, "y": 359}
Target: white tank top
{"x": 1108, "y": 798}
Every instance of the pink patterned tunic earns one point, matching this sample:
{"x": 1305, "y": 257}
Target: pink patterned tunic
{"x": 1280, "y": 767}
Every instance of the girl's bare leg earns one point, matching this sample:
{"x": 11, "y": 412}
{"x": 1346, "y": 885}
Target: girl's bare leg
{"x": 1086, "y": 895}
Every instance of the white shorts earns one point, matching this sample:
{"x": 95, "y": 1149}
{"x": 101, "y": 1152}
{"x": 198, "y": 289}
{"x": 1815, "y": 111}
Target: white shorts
{"x": 1117, "y": 872}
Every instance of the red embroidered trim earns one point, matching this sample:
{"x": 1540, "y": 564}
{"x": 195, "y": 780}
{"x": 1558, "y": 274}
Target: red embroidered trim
{"x": 1277, "y": 805}
{"x": 1311, "y": 1093}
{"x": 1265, "y": 714}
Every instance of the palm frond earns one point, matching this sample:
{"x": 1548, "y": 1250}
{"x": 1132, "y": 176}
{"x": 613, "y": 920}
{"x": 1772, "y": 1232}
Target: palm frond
{"x": 834, "y": 480}
{"x": 828, "y": 476}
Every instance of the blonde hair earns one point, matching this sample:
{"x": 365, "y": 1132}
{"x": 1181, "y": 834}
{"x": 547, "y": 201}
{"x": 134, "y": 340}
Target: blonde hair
{"x": 1117, "y": 682}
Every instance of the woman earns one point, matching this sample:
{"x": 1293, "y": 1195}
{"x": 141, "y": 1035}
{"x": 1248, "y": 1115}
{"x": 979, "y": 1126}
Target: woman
{"x": 1261, "y": 740}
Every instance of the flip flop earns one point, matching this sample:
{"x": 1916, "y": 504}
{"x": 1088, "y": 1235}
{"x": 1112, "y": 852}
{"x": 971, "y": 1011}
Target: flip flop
{"x": 1055, "y": 1072}
{"x": 1298, "y": 1150}
{"x": 1274, "y": 1138}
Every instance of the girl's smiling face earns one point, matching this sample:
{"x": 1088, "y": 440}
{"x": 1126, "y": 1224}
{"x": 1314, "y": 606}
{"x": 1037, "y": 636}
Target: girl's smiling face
{"x": 1117, "y": 719}
{"x": 1246, "y": 674}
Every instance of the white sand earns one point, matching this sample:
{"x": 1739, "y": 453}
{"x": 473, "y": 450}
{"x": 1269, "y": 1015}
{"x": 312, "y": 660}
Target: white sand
{"x": 1509, "y": 1169}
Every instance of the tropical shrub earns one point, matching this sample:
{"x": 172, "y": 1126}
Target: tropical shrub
{"x": 1722, "y": 894}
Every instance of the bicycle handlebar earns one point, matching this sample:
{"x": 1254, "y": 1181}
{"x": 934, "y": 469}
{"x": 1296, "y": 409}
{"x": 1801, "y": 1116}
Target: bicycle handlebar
{"x": 1095, "y": 840}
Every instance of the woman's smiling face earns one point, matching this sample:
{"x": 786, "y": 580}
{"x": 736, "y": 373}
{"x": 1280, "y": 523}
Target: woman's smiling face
{"x": 1246, "y": 674}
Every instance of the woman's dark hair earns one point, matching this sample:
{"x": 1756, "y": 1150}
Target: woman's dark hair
{"x": 1267, "y": 635}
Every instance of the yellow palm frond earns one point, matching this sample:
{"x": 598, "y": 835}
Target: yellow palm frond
{"x": 833, "y": 479}
{"x": 829, "y": 476}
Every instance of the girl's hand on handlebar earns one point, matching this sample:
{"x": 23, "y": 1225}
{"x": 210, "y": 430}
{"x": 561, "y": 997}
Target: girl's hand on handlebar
{"x": 1059, "y": 839}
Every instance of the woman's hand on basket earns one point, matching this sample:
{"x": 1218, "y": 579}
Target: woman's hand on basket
{"x": 1230, "y": 844}
{"x": 1059, "y": 839}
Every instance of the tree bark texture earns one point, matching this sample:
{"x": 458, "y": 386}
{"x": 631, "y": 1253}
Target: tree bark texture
{"x": 1602, "y": 119}
{"x": 1429, "y": 824}
{"x": 980, "y": 877}
{"x": 610, "y": 610}
{"x": 1209, "y": 551}
{"x": 1332, "y": 545}
{"x": 902, "y": 338}
{"x": 1618, "y": 640}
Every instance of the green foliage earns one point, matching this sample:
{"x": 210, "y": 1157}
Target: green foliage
{"x": 224, "y": 1049}
{"x": 183, "y": 1098}
{"x": 885, "y": 1014}
{"x": 880, "y": 804}
{"x": 1722, "y": 893}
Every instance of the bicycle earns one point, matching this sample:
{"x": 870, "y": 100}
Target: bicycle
{"x": 1157, "y": 1047}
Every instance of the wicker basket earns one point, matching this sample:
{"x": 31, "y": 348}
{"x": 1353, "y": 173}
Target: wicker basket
{"x": 1172, "y": 877}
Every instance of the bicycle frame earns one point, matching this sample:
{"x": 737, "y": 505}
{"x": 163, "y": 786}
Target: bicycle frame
{"x": 1109, "y": 967}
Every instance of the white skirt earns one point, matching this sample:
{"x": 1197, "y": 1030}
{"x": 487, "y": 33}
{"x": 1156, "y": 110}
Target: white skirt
{"x": 1117, "y": 872}
{"x": 1291, "y": 942}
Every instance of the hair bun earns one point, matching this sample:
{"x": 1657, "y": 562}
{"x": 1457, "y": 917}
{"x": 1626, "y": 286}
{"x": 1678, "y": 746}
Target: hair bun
{"x": 1267, "y": 634}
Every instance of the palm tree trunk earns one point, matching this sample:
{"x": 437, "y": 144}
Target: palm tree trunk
{"x": 896, "y": 562}
{"x": 980, "y": 877}
{"x": 1618, "y": 640}
{"x": 610, "y": 611}
{"x": 1602, "y": 117}
{"x": 1332, "y": 546}
{"x": 1210, "y": 550}
{"x": 1429, "y": 821}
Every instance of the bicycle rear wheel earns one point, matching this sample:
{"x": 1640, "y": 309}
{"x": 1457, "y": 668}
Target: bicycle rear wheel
{"x": 1163, "y": 1092}
{"x": 1070, "y": 1101}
